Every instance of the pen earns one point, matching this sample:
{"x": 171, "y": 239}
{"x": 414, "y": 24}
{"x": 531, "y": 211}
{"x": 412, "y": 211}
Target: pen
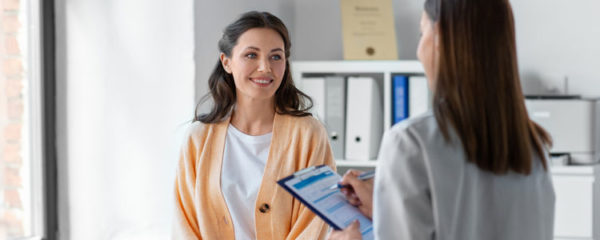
{"x": 364, "y": 176}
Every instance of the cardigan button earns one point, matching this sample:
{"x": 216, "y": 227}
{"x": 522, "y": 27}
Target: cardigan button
{"x": 264, "y": 208}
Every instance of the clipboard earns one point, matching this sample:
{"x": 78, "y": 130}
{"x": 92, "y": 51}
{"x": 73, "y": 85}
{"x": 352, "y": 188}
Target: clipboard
{"x": 312, "y": 186}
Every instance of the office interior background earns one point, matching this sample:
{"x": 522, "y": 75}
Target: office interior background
{"x": 129, "y": 74}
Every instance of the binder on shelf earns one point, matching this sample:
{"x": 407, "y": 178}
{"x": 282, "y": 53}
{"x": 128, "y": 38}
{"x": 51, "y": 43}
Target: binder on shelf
{"x": 314, "y": 87}
{"x": 335, "y": 114}
{"x": 364, "y": 118}
{"x": 419, "y": 99}
{"x": 400, "y": 98}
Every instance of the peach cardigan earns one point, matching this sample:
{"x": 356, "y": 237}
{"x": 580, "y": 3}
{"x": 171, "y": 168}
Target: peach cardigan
{"x": 201, "y": 211}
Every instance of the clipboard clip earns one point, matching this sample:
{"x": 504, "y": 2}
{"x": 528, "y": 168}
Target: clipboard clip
{"x": 304, "y": 171}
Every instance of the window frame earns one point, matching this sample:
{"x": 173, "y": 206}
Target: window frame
{"x": 35, "y": 99}
{"x": 41, "y": 111}
{"x": 48, "y": 82}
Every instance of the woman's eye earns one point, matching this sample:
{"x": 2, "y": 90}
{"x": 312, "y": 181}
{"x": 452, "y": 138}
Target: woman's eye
{"x": 251, "y": 55}
{"x": 276, "y": 57}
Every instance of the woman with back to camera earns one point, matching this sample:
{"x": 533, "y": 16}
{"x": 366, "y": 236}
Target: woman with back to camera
{"x": 257, "y": 132}
{"x": 476, "y": 167}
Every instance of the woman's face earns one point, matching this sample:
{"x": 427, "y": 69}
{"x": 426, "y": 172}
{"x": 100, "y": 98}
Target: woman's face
{"x": 257, "y": 63}
{"x": 427, "y": 52}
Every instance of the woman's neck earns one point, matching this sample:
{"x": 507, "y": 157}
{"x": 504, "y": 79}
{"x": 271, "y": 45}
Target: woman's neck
{"x": 253, "y": 116}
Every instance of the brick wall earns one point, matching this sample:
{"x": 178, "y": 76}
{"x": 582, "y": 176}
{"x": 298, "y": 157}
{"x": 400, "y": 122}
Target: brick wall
{"x": 11, "y": 121}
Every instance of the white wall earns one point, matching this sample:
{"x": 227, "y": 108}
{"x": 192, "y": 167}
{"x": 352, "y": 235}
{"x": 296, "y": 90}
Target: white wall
{"x": 554, "y": 39}
{"x": 317, "y": 32}
{"x": 125, "y": 90}
{"x": 557, "y": 39}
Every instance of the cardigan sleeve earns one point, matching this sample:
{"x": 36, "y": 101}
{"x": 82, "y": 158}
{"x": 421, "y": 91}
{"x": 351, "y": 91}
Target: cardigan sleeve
{"x": 185, "y": 224}
{"x": 308, "y": 225}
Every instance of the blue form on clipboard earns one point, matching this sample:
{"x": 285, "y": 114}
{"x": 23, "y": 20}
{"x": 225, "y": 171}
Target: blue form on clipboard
{"x": 312, "y": 186}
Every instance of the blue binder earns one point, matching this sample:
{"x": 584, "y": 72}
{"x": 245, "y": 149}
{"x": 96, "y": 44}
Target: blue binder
{"x": 399, "y": 98}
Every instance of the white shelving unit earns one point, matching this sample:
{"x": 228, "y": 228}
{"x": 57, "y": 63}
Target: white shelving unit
{"x": 379, "y": 70}
{"x": 577, "y": 208}
{"x": 386, "y": 69}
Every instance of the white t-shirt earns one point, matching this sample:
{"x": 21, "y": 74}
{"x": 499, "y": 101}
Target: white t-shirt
{"x": 244, "y": 163}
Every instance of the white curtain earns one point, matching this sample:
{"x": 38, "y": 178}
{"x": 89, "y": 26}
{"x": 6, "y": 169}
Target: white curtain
{"x": 125, "y": 92}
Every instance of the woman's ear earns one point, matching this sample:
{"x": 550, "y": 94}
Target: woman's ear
{"x": 225, "y": 62}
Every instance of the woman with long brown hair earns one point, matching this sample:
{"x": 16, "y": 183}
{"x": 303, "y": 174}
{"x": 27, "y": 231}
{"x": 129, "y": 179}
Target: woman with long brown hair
{"x": 475, "y": 168}
{"x": 257, "y": 132}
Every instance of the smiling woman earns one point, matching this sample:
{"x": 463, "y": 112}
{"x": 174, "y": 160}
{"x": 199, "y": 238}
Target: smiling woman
{"x": 288, "y": 99}
{"x": 226, "y": 182}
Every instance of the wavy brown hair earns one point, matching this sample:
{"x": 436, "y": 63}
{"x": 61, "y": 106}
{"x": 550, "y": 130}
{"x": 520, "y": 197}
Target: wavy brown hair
{"x": 478, "y": 90}
{"x": 288, "y": 99}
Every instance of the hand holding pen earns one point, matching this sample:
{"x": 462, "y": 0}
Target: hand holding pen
{"x": 363, "y": 176}
{"x": 359, "y": 190}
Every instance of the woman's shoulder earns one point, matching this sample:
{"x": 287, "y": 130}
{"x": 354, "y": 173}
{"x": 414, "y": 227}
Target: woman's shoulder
{"x": 421, "y": 124}
{"x": 195, "y": 128}
{"x": 422, "y": 130}
{"x": 302, "y": 122}
{"x": 305, "y": 125}
{"x": 198, "y": 130}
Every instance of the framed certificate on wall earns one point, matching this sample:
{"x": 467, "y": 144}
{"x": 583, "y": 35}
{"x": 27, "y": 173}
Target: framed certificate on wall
{"x": 368, "y": 30}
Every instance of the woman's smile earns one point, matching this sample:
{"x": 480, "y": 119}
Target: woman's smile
{"x": 262, "y": 81}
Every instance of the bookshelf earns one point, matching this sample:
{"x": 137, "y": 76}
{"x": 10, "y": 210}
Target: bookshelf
{"x": 381, "y": 71}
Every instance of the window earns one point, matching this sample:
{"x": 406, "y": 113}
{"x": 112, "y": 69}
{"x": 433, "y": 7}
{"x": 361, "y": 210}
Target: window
{"x": 22, "y": 194}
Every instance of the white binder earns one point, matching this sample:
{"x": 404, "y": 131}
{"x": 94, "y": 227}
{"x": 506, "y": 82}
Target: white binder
{"x": 364, "y": 118}
{"x": 335, "y": 114}
{"x": 314, "y": 87}
{"x": 419, "y": 96}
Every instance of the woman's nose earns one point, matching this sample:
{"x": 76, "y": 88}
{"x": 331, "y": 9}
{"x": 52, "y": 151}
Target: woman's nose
{"x": 264, "y": 65}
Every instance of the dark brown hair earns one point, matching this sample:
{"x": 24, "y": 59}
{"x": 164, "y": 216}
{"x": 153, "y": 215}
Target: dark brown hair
{"x": 478, "y": 91}
{"x": 288, "y": 99}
